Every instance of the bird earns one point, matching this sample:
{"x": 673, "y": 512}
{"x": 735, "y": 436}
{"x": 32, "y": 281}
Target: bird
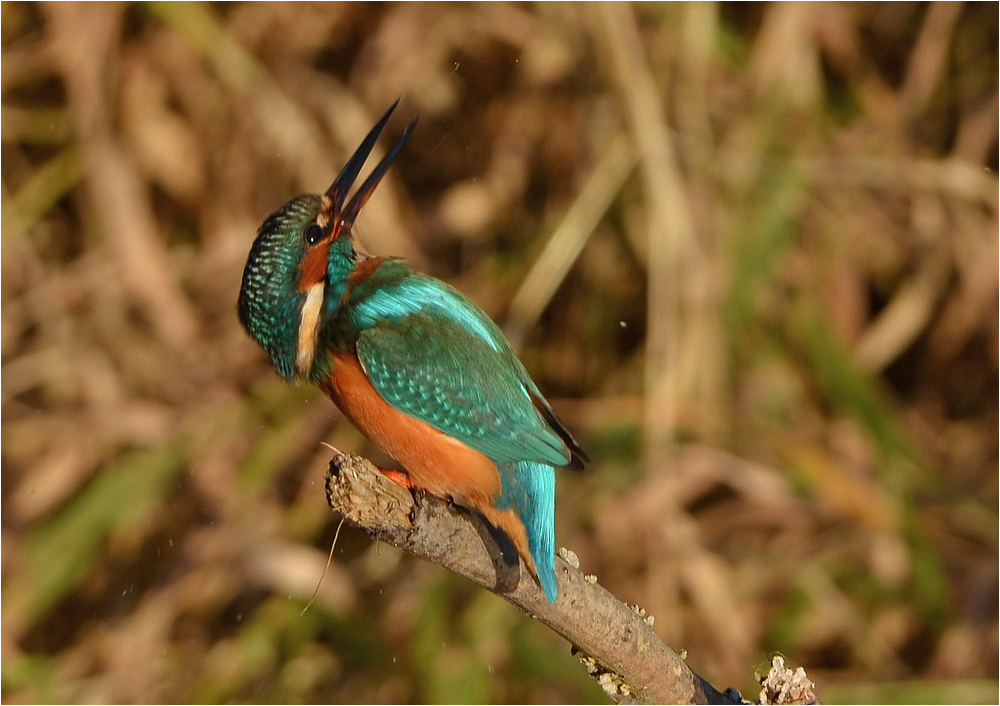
{"x": 413, "y": 363}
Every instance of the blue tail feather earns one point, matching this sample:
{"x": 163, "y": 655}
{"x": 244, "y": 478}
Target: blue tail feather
{"x": 529, "y": 489}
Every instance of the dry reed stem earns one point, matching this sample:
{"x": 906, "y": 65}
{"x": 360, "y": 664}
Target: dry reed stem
{"x": 123, "y": 211}
{"x": 568, "y": 239}
{"x": 673, "y": 248}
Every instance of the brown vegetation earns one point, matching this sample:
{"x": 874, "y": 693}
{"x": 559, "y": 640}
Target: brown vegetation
{"x": 749, "y": 251}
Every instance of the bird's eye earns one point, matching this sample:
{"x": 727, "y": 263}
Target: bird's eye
{"x": 314, "y": 234}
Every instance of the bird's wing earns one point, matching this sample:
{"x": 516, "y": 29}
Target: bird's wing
{"x": 433, "y": 369}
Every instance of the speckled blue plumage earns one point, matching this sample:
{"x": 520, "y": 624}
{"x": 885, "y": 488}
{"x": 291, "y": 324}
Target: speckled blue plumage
{"x": 269, "y": 302}
{"x": 433, "y": 354}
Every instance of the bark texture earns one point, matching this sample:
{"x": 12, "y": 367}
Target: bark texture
{"x": 618, "y": 645}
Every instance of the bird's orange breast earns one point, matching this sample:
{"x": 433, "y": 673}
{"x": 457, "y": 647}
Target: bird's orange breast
{"x": 436, "y": 462}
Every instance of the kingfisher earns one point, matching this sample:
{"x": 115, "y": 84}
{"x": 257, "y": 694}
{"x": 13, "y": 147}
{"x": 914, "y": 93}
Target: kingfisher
{"x": 415, "y": 365}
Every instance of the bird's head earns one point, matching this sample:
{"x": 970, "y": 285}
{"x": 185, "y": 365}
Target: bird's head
{"x": 300, "y": 261}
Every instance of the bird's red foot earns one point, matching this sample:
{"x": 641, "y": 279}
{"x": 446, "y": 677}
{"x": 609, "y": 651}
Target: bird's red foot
{"x": 399, "y": 477}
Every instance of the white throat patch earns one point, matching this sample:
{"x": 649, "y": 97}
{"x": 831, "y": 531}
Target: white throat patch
{"x": 309, "y": 328}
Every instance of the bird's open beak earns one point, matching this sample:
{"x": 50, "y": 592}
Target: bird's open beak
{"x": 342, "y": 216}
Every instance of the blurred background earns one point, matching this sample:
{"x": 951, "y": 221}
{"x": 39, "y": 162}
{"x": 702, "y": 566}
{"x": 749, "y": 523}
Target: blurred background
{"x": 750, "y": 253}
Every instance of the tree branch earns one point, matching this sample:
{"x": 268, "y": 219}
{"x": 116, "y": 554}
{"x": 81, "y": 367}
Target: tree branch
{"x": 619, "y": 646}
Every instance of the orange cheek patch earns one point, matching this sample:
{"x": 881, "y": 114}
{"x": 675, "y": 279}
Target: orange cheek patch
{"x": 312, "y": 269}
{"x": 435, "y": 461}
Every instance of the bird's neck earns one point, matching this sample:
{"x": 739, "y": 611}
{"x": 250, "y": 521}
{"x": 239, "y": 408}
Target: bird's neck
{"x": 340, "y": 263}
{"x": 353, "y": 280}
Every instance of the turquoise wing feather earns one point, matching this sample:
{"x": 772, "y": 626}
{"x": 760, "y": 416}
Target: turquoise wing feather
{"x": 394, "y": 293}
{"x": 433, "y": 354}
{"x": 434, "y": 369}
